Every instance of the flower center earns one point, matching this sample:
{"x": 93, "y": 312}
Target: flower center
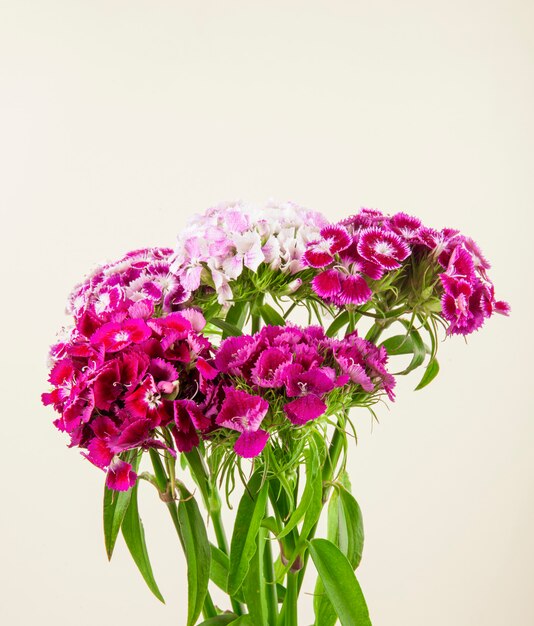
{"x": 152, "y": 398}
{"x": 122, "y": 335}
{"x": 383, "y": 248}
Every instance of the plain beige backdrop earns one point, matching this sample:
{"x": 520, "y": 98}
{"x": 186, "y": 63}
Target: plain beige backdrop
{"x": 119, "y": 119}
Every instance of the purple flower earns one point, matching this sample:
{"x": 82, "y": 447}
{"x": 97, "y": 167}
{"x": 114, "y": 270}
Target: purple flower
{"x": 244, "y": 412}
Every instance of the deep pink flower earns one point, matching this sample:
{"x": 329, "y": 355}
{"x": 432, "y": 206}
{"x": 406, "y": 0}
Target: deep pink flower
{"x": 353, "y": 290}
{"x": 405, "y": 225}
{"x": 188, "y": 419}
{"x": 301, "y": 382}
{"x": 244, "y": 412}
{"x": 461, "y": 305}
{"x": 115, "y": 336}
{"x": 121, "y": 476}
{"x": 304, "y": 409}
{"x": 268, "y": 371}
{"x": 355, "y": 372}
{"x": 327, "y": 284}
{"x": 147, "y": 402}
{"x": 320, "y": 253}
{"x": 234, "y": 352}
{"x": 383, "y": 247}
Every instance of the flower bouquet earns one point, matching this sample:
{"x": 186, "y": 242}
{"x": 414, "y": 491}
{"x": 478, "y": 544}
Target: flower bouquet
{"x": 223, "y": 373}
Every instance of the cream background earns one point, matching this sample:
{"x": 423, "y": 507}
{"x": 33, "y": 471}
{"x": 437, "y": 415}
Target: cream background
{"x": 121, "y": 119}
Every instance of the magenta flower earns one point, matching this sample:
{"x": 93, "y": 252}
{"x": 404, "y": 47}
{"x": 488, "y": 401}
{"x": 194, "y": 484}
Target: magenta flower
{"x": 405, "y": 225}
{"x": 334, "y": 239}
{"x": 115, "y": 336}
{"x": 244, "y": 412}
{"x": 304, "y": 409}
{"x": 383, "y": 247}
{"x": 269, "y": 368}
{"x": 115, "y": 382}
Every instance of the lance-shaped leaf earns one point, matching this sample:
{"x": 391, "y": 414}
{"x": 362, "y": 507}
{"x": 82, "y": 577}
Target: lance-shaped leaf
{"x": 219, "y": 568}
{"x": 271, "y": 316}
{"x": 197, "y": 553}
{"x": 254, "y": 585}
{"x": 340, "y": 583}
{"x": 250, "y": 513}
{"x": 115, "y": 506}
{"x": 134, "y": 535}
{"x": 312, "y": 470}
{"x": 341, "y": 320}
{"x": 345, "y": 525}
{"x": 432, "y": 370}
{"x": 226, "y": 327}
{"x": 220, "y": 620}
{"x": 236, "y": 315}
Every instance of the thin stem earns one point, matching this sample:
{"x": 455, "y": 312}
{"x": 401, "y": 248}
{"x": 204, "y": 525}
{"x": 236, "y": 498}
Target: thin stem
{"x": 271, "y": 594}
{"x": 291, "y": 599}
{"x": 334, "y": 452}
{"x": 163, "y": 480}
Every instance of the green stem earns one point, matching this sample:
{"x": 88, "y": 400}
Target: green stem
{"x": 291, "y": 599}
{"x": 164, "y": 483}
{"x": 222, "y": 544}
{"x": 270, "y": 583}
{"x": 334, "y": 452}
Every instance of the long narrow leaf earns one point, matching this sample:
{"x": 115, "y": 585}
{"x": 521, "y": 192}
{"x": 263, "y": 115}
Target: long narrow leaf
{"x": 340, "y": 583}
{"x": 236, "y": 315}
{"x": 134, "y": 536}
{"x": 341, "y": 320}
{"x": 246, "y": 527}
{"x": 432, "y": 370}
{"x": 115, "y": 506}
{"x": 229, "y": 329}
{"x": 219, "y": 568}
{"x": 197, "y": 553}
{"x": 220, "y": 620}
{"x": 254, "y": 585}
{"x": 271, "y": 316}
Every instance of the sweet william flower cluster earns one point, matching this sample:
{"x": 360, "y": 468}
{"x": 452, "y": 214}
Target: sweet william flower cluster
{"x": 199, "y": 357}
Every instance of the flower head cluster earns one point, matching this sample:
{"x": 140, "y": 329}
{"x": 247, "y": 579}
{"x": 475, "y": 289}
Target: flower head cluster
{"x": 216, "y": 247}
{"x": 140, "y": 276}
{"x": 294, "y": 372}
{"x": 369, "y": 245}
{"x": 115, "y": 383}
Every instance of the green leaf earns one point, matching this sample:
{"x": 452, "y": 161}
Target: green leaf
{"x": 341, "y": 320}
{"x": 345, "y": 525}
{"x": 115, "y": 506}
{"x": 220, "y": 565}
{"x": 418, "y": 351}
{"x": 246, "y": 527}
{"x": 244, "y": 620}
{"x": 340, "y": 583}
{"x": 134, "y": 535}
{"x": 236, "y": 315}
{"x": 197, "y": 553}
{"x": 271, "y": 316}
{"x": 254, "y": 585}
{"x": 220, "y": 620}
{"x": 432, "y": 370}
{"x": 322, "y": 607}
{"x": 307, "y": 495}
{"x": 226, "y": 327}
{"x": 345, "y": 530}
{"x": 313, "y": 513}
{"x": 398, "y": 344}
